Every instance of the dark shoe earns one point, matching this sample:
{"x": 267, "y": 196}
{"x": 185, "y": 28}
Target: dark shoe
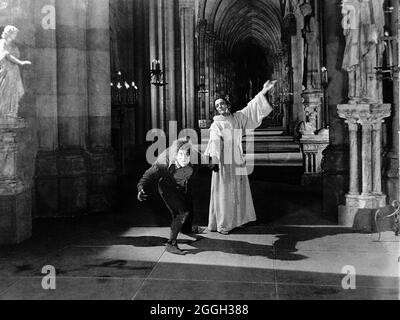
{"x": 198, "y": 230}
{"x": 225, "y": 233}
{"x": 195, "y": 230}
{"x": 174, "y": 249}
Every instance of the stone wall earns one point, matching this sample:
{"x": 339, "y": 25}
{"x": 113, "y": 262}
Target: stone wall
{"x": 336, "y": 156}
{"x": 66, "y": 157}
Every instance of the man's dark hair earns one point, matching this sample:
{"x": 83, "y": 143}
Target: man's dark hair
{"x": 184, "y": 144}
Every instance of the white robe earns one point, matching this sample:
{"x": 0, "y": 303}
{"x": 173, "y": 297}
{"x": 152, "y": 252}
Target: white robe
{"x": 231, "y": 204}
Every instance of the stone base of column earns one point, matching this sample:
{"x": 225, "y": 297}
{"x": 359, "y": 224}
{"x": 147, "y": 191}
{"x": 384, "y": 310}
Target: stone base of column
{"x": 335, "y": 180}
{"x": 391, "y": 177}
{"x": 364, "y": 219}
{"x": 46, "y": 185}
{"x": 74, "y": 182}
{"x": 61, "y": 184}
{"x": 15, "y": 194}
{"x": 359, "y": 211}
{"x": 366, "y": 201}
{"x": 102, "y": 188}
{"x": 16, "y": 212}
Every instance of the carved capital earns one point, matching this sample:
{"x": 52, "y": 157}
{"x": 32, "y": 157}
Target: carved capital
{"x": 364, "y": 114}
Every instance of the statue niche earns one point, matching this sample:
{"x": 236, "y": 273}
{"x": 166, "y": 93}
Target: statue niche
{"x": 311, "y": 56}
{"x": 11, "y": 87}
{"x": 363, "y": 23}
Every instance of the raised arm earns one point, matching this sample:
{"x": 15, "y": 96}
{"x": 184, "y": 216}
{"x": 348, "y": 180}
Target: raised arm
{"x": 257, "y": 110}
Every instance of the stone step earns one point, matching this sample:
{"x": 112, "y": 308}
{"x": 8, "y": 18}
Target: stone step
{"x": 276, "y": 159}
{"x": 271, "y": 150}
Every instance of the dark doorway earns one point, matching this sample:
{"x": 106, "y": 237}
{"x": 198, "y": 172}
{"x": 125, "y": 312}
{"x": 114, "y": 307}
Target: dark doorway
{"x": 252, "y": 69}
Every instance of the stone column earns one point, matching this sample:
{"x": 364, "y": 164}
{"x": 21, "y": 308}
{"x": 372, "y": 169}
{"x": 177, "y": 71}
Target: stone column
{"x": 72, "y": 106}
{"x": 46, "y": 174}
{"x": 366, "y": 157}
{"x": 212, "y": 79}
{"x": 141, "y": 69}
{"x": 170, "y": 62}
{"x": 377, "y": 156}
{"x": 354, "y": 180}
{"x": 161, "y": 54}
{"x": 187, "y": 22}
{"x": 201, "y": 66}
{"x": 359, "y": 209}
{"x": 102, "y": 176}
{"x": 336, "y": 172}
{"x": 153, "y": 36}
{"x": 392, "y": 172}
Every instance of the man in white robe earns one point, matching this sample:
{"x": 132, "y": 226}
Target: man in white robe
{"x": 231, "y": 204}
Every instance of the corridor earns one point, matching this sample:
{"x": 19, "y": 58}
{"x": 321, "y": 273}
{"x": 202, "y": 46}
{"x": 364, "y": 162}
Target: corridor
{"x": 298, "y": 256}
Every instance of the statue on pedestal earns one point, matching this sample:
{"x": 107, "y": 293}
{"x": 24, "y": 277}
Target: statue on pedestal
{"x": 309, "y": 127}
{"x": 310, "y": 36}
{"x": 11, "y": 87}
{"x": 363, "y": 23}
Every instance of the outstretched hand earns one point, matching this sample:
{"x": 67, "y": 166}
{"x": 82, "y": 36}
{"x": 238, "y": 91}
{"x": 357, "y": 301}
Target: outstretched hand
{"x": 142, "y": 196}
{"x": 268, "y": 86}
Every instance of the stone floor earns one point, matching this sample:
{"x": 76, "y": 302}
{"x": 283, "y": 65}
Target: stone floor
{"x": 103, "y": 257}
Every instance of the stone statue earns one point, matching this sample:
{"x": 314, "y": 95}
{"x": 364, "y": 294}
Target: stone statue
{"x": 11, "y": 88}
{"x": 363, "y": 23}
{"x": 309, "y": 41}
{"x": 311, "y": 63}
{"x": 309, "y": 127}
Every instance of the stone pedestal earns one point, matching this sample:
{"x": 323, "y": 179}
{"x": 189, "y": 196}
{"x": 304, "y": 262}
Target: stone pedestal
{"x": 313, "y": 147}
{"x": 15, "y": 194}
{"x": 364, "y": 196}
{"x": 102, "y": 181}
{"x": 312, "y": 103}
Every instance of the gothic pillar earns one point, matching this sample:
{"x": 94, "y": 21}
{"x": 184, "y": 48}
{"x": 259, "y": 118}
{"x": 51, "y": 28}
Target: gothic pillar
{"x": 392, "y": 173}
{"x": 154, "y": 51}
{"x": 46, "y": 175}
{"x": 102, "y": 178}
{"x": 366, "y": 157}
{"x": 211, "y": 73}
{"x": 354, "y": 180}
{"x": 201, "y": 67}
{"x": 377, "y": 157}
{"x": 359, "y": 209}
{"x": 187, "y": 22}
{"x": 170, "y": 60}
{"x": 161, "y": 36}
{"x": 72, "y": 106}
{"x": 336, "y": 169}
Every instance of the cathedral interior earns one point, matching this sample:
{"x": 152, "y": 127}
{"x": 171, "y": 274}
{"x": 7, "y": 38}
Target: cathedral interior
{"x": 105, "y": 73}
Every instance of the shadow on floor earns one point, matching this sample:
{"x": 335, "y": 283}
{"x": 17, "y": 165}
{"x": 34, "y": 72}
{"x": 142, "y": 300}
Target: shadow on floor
{"x": 203, "y": 244}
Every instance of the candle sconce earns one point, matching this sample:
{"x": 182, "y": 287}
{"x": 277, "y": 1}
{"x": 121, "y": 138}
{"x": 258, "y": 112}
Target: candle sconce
{"x": 388, "y": 69}
{"x": 123, "y": 92}
{"x": 202, "y": 86}
{"x": 157, "y": 74}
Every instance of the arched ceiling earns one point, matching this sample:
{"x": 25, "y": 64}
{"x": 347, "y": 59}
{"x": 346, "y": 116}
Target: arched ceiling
{"x": 234, "y": 21}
